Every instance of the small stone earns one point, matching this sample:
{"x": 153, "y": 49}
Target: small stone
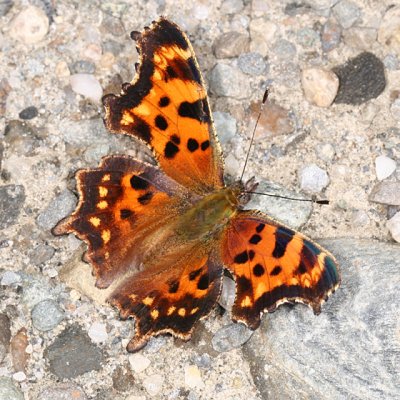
{"x": 73, "y": 354}
{"x": 10, "y": 278}
{"x": 386, "y": 193}
{"x": 98, "y": 332}
{"x": 57, "y": 209}
{"x": 19, "y": 376}
{"x": 41, "y": 253}
{"x": 87, "y": 85}
{"x": 325, "y": 152}
{"x": 83, "y": 67}
{"x": 18, "y": 345}
{"x": 361, "y": 79}
{"x": 360, "y": 38}
{"x": 230, "y": 337}
{"x": 320, "y": 86}
{"x": 359, "y": 218}
{"x": 391, "y": 62}
{"x": 62, "y": 391}
{"x": 123, "y": 380}
{"x": 46, "y": 315}
{"x": 231, "y": 44}
{"x": 262, "y": 32}
{"x": 307, "y": 37}
{"x": 252, "y": 63}
{"x": 29, "y": 113}
{"x": 313, "y": 179}
{"x": 331, "y": 34}
{"x": 395, "y": 109}
{"x": 230, "y": 82}
{"x": 12, "y": 198}
{"x": 297, "y": 8}
{"x": 384, "y": 167}
{"x": 231, "y": 6}
{"x": 225, "y": 125}
{"x": 389, "y": 30}
{"x": 5, "y": 7}
{"x": 30, "y": 25}
{"x": 193, "y": 377}
{"x": 153, "y": 384}
{"x": 8, "y": 391}
{"x": 394, "y": 227}
{"x": 5, "y": 336}
{"x": 62, "y": 70}
{"x": 228, "y": 293}
{"x": 113, "y": 25}
{"x": 138, "y": 362}
{"x": 284, "y": 49}
{"x": 346, "y": 12}
{"x": 21, "y": 138}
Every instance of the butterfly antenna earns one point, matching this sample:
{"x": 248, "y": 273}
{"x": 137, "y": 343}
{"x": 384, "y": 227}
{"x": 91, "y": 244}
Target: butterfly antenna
{"x": 265, "y": 97}
{"x": 312, "y": 200}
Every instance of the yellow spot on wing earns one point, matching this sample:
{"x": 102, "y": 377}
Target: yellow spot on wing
{"x": 95, "y": 221}
{"x": 133, "y": 297}
{"x": 102, "y": 204}
{"x": 106, "y": 235}
{"x": 127, "y": 118}
{"x": 148, "y": 301}
{"x": 154, "y": 314}
{"x": 260, "y": 290}
{"x": 103, "y": 191}
{"x": 171, "y": 310}
{"x": 194, "y": 310}
{"x": 246, "y": 302}
{"x": 106, "y": 178}
{"x": 182, "y": 312}
{"x": 143, "y": 109}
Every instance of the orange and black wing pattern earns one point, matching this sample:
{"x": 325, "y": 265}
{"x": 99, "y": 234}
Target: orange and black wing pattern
{"x": 166, "y": 106}
{"x": 273, "y": 264}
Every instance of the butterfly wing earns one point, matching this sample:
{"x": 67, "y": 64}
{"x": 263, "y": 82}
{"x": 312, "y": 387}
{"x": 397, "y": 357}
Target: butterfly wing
{"x": 124, "y": 204}
{"x": 166, "y": 106}
{"x": 272, "y": 265}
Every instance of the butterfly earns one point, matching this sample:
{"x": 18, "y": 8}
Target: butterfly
{"x": 160, "y": 236}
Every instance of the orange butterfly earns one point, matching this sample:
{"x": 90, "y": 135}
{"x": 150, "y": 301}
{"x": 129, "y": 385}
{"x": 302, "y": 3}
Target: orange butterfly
{"x": 162, "y": 237}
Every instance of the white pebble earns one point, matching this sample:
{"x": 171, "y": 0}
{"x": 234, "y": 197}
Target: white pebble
{"x": 228, "y": 293}
{"x": 313, "y": 179}
{"x": 384, "y": 167}
{"x": 30, "y": 25}
{"x": 153, "y": 384}
{"x": 320, "y": 86}
{"x": 9, "y": 278}
{"x": 193, "y": 377}
{"x": 394, "y": 226}
{"x": 98, "y": 333}
{"x": 138, "y": 362}
{"x": 19, "y": 376}
{"x": 87, "y": 85}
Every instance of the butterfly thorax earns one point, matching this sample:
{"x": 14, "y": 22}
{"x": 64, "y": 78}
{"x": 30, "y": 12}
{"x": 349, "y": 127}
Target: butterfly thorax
{"x": 206, "y": 217}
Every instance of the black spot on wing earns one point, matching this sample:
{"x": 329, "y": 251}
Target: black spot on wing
{"x": 276, "y": 271}
{"x": 164, "y": 101}
{"x": 192, "y": 145}
{"x": 145, "y": 198}
{"x": 255, "y": 239}
{"x": 161, "y": 122}
{"x": 260, "y": 228}
{"x": 125, "y": 213}
{"x": 173, "y": 287}
{"x": 170, "y": 150}
{"x": 176, "y": 139}
{"x": 282, "y": 238}
{"x": 194, "y": 274}
{"x": 258, "y": 270}
{"x": 194, "y": 110}
{"x": 193, "y": 68}
{"x": 241, "y": 258}
{"x": 205, "y": 145}
{"x": 138, "y": 183}
{"x": 203, "y": 282}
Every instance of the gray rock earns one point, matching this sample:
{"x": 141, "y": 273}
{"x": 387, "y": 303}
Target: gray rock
{"x": 307, "y": 37}
{"x": 35, "y": 290}
{"x": 114, "y": 47}
{"x": 352, "y": 349}
{"x": 12, "y": 198}
{"x": 225, "y": 125}
{"x": 386, "y": 193}
{"x": 72, "y": 354}
{"x": 46, "y": 315}
{"x": 58, "y": 208}
{"x": 284, "y": 49}
{"x": 361, "y": 79}
{"x": 230, "y": 82}
{"x": 41, "y": 253}
{"x": 123, "y": 379}
{"x": 62, "y": 391}
{"x": 5, "y": 336}
{"x": 5, "y": 7}
{"x": 291, "y": 212}
{"x": 29, "y": 113}
{"x": 113, "y": 25}
{"x": 231, "y": 44}
{"x": 21, "y": 139}
{"x": 313, "y": 179}
{"x": 10, "y": 278}
{"x": 395, "y": 109}
{"x": 8, "y": 391}
{"x": 297, "y": 8}
{"x": 82, "y": 67}
{"x": 330, "y": 35}
{"x": 391, "y": 62}
{"x": 347, "y": 13}
{"x": 85, "y": 132}
{"x": 230, "y": 337}
{"x": 252, "y": 64}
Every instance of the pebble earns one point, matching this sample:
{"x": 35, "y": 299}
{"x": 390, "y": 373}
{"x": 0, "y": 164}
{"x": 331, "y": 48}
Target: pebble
{"x": 30, "y": 25}
{"x": 384, "y": 167}
{"x": 231, "y": 44}
{"x": 395, "y": 109}
{"x": 284, "y": 49}
{"x": 394, "y": 227}
{"x": 231, "y": 6}
{"x": 225, "y": 125}
{"x": 113, "y": 25}
{"x": 193, "y": 377}
{"x": 359, "y": 218}
{"x": 320, "y": 86}
{"x": 87, "y": 85}
{"x": 29, "y": 113}
{"x": 325, "y": 152}
{"x": 228, "y": 293}
{"x": 138, "y": 362}
{"x": 5, "y": 336}
{"x": 230, "y": 337}
{"x": 386, "y": 193}
{"x": 46, "y": 315}
{"x": 252, "y": 63}
{"x": 391, "y": 62}
{"x": 57, "y": 209}
{"x": 153, "y": 384}
{"x": 230, "y": 82}
{"x": 295, "y": 8}
{"x": 313, "y": 179}
{"x": 123, "y": 380}
{"x": 83, "y": 67}
{"x": 8, "y": 391}
{"x": 307, "y": 37}
{"x": 262, "y": 32}
{"x": 361, "y": 79}
{"x": 19, "y": 343}
{"x": 62, "y": 70}
{"x": 19, "y": 376}
{"x": 5, "y": 7}
{"x": 62, "y": 391}
{"x": 12, "y": 199}
{"x": 346, "y": 12}
{"x": 21, "y": 138}
{"x": 98, "y": 332}
{"x": 331, "y": 34}
{"x": 73, "y": 354}
{"x": 389, "y": 31}
{"x": 41, "y": 253}
{"x": 10, "y": 278}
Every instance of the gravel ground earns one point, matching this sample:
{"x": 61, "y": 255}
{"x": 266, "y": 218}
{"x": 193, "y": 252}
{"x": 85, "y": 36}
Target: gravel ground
{"x": 331, "y": 128}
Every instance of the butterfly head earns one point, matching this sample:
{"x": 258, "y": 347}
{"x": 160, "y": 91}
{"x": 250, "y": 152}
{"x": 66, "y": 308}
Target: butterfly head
{"x": 242, "y": 190}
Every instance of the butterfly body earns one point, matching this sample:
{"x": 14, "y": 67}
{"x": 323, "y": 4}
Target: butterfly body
{"x": 161, "y": 236}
